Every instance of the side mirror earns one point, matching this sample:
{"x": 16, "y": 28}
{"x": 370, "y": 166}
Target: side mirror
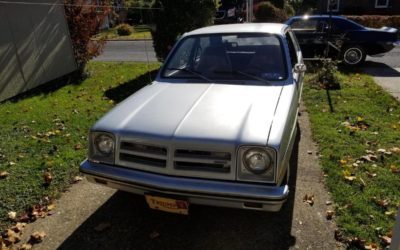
{"x": 299, "y": 68}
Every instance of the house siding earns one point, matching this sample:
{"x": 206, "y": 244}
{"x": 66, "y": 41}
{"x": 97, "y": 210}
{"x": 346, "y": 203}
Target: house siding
{"x": 35, "y": 46}
{"x": 360, "y": 7}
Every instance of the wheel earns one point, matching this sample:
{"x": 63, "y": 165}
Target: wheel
{"x": 353, "y": 55}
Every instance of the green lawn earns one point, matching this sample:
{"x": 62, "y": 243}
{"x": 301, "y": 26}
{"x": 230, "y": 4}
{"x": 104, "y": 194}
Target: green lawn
{"x": 140, "y": 32}
{"x": 358, "y": 120}
{"x": 48, "y": 131}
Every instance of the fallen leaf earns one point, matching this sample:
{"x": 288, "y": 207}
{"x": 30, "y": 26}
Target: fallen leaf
{"x": 328, "y": 203}
{"x": 4, "y": 174}
{"x": 343, "y": 161}
{"x": 395, "y": 150}
{"x": 372, "y": 246}
{"x": 391, "y": 213}
{"x": 11, "y": 163}
{"x": 329, "y": 214}
{"x": 48, "y": 178}
{"x": 102, "y": 226}
{"x": 12, "y": 215}
{"x": 18, "y": 227}
{"x": 382, "y": 150}
{"x": 11, "y": 237}
{"x": 154, "y": 235}
{"x": 338, "y": 235}
{"x": 382, "y": 203}
{"x": 37, "y": 237}
{"x": 78, "y": 146}
{"x": 371, "y": 175}
{"x": 309, "y": 199}
{"x": 394, "y": 169}
{"x": 51, "y": 207}
{"x": 386, "y": 240}
{"x": 25, "y": 246}
{"x": 369, "y": 158}
{"x": 77, "y": 179}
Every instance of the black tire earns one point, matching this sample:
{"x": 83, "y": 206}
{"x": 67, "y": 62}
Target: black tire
{"x": 353, "y": 55}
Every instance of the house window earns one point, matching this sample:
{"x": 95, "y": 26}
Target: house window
{"x": 333, "y": 5}
{"x": 381, "y": 3}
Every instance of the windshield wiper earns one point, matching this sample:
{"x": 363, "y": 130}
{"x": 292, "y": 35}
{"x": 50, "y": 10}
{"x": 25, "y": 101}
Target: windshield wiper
{"x": 244, "y": 74}
{"x": 191, "y": 72}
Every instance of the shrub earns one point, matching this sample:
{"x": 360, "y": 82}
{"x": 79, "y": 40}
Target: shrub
{"x": 289, "y": 10}
{"x": 124, "y": 29}
{"x": 325, "y": 76}
{"x": 267, "y": 12}
{"x": 375, "y": 21}
{"x": 84, "y": 22}
{"x": 173, "y": 19}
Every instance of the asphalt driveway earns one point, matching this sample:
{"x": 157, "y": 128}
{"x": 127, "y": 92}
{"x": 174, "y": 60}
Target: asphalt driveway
{"x": 89, "y": 216}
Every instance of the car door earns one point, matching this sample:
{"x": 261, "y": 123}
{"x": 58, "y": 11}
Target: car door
{"x": 311, "y": 34}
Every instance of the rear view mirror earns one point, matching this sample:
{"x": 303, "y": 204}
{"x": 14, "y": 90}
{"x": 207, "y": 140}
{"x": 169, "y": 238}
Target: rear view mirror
{"x": 300, "y": 68}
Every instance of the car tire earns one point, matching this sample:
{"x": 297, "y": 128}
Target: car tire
{"x": 353, "y": 55}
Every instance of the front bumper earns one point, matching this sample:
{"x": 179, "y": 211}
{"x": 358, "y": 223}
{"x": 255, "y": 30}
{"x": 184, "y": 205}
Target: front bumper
{"x": 196, "y": 191}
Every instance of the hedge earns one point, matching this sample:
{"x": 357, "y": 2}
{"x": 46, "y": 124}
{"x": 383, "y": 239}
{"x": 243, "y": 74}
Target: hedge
{"x": 375, "y": 21}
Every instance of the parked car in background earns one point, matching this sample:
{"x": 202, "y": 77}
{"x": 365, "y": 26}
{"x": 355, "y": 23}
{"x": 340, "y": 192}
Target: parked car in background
{"x": 216, "y": 127}
{"x": 347, "y": 40}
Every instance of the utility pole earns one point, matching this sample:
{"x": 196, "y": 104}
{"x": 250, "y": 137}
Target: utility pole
{"x": 249, "y": 11}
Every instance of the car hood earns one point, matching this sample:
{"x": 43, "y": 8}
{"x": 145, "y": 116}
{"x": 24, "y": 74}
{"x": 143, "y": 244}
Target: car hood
{"x": 233, "y": 113}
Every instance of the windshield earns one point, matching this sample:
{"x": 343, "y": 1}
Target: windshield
{"x": 248, "y": 56}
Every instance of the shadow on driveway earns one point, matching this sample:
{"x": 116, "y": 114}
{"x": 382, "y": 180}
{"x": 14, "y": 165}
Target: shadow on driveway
{"x": 132, "y": 225}
{"x": 377, "y": 69}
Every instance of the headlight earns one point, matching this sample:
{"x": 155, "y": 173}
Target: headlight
{"x": 104, "y": 144}
{"x": 257, "y": 160}
{"x": 256, "y": 164}
{"x": 102, "y": 147}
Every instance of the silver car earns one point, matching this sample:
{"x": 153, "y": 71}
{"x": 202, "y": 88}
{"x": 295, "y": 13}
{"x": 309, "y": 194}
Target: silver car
{"x": 216, "y": 127}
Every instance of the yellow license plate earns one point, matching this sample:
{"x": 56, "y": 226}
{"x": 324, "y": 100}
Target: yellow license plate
{"x": 167, "y": 204}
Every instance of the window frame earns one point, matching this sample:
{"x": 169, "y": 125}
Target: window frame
{"x": 377, "y": 6}
{"x": 333, "y": 10}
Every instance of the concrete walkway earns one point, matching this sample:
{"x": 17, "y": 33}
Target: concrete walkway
{"x": 388, "y": 78}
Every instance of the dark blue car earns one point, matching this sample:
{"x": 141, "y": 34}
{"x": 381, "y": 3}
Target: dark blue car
{"x": 340, "y": 38}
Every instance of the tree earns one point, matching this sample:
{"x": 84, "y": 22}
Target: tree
{"x": 83, "y": 22}
{"x": 177, "y": 17}
{"x": 267, "y": 12}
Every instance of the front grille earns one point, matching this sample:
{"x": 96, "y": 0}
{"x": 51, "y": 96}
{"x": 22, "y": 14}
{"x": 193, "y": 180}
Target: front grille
{"x": 180, "y": 161}
{"x": 199, "y": 160}
{"x": 143, "y": 154}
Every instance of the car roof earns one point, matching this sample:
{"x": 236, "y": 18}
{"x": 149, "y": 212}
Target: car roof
{"x": 318, "y": 17}
{"x": 271, "y": 28}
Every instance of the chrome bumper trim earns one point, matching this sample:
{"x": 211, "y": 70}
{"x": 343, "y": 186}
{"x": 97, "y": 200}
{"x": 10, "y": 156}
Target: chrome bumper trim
{"x": 125, "y": 179}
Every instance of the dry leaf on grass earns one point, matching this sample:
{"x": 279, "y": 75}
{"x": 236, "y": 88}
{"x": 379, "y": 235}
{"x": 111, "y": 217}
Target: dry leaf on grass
{"x": 394, "y": 169}
{"x": 386, "y": 240}
{"x": 372, "y": 246}
{"x": 12, "y": 215}
{"x": 4, "y": 174}
{"x": 78, "y": 146}
{"x": 48, "y": 177}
